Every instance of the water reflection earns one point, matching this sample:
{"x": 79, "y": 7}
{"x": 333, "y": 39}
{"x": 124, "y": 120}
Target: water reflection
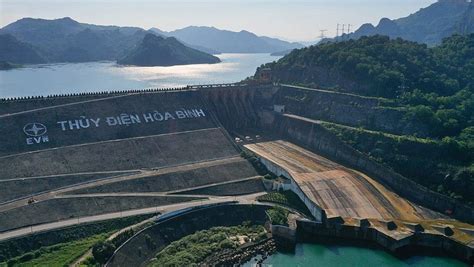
{"x": 102, "y": 76}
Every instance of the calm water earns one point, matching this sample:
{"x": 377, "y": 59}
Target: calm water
{"x": 339, "y": 256}
{"x": 102, "y": 76}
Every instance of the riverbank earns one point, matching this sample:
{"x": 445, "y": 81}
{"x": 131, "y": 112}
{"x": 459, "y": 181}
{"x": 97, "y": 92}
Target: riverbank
{"x": 215, "y": 243}
{"x": 243, "y": 254}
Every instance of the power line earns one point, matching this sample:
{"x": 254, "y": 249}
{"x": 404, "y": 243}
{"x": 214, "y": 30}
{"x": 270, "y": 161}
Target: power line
{"x": 322, "y": 36}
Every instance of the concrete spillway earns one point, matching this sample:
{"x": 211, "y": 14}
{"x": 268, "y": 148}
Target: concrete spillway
{"x": 338, "y": 190}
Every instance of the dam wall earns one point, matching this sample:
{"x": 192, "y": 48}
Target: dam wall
{"x": 239, "y": 107}
{"x": 313, "y": 136}
{"x": 116, "y": 132}
{"x": 113, "y": 118}
{"x": 19, "y": 104}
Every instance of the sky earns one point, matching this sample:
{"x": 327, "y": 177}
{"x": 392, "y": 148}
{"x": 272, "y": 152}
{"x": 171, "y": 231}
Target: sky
{"x": 293, "y": 20}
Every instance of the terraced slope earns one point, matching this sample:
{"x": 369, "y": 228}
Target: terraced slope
{"x": 99, "y": 155}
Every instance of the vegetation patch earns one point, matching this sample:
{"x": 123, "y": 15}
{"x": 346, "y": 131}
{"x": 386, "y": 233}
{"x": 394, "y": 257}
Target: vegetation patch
{"x": 445, "y": 166}
{"x": 58, "y": 255}
{"x": 286, "y": 198}
{"x": 18, "y": 247}
{"x": 193, "y": 249}
{"x": 278, "y": 216}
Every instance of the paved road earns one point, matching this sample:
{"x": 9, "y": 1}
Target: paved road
{"x": 143, "y": 174}
{"x": 245, "y": 199}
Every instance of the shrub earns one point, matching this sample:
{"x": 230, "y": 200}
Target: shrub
{"x": 102, "y": 251}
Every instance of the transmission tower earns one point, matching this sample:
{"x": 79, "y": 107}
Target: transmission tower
{"x": 349, "y": 28}
{"x": 322, "y": 36}
{"x": 337, "y": 30}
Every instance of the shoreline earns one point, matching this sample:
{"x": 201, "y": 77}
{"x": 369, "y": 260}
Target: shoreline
{"x": 243, "y": 254}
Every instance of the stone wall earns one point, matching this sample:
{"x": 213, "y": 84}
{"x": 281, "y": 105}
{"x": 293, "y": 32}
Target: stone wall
{"x": 314, "y": 137}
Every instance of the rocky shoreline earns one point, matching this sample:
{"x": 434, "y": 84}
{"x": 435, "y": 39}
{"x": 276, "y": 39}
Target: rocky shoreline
{"x": 243, "y": 254}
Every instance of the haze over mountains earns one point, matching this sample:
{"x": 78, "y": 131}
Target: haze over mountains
{"x": 224, "y": 41}
{"x": 66, "y": 40}
{"x": 429, "y": 25}
{"x": 32, "y": 41}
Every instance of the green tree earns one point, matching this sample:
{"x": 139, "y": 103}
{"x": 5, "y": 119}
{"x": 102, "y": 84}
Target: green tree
{"x": 102, "y": 251}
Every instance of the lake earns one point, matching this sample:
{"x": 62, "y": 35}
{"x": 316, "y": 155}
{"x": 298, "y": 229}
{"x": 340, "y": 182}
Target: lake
{"x": 64, "y": 78}
{"x": 322, "y": 255}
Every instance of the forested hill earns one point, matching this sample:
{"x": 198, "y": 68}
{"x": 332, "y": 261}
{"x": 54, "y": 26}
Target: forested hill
{"x": 436, "y": 84}
{"x": 378, "y": 66}
{"x": 430, "y": 86}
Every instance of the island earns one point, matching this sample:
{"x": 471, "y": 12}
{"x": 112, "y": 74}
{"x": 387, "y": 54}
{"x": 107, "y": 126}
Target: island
{"x": 159, "y": 51}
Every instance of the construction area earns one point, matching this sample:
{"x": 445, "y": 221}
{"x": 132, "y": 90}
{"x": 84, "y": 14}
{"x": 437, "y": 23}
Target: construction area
{"x": 78, "y": 159}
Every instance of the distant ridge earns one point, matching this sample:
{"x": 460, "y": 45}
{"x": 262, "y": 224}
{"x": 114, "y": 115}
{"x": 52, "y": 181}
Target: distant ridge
{"x": 428, "y": 25}
{"x": 66, "y": 40}
{"x": 224, "y": 41}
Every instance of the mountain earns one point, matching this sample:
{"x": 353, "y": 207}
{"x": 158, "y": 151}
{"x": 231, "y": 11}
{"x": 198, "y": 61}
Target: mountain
{"x": 466, "y": 25}
{"x": 160, "y": 51}
{"x": 14, "y": 51}
{"x": 429, "y": 25}
{"x": 66, "y": 40}
{"x": 224, "y": 41}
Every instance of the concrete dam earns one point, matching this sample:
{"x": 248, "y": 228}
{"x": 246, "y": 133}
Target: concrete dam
{"x": 73, "y": 159}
